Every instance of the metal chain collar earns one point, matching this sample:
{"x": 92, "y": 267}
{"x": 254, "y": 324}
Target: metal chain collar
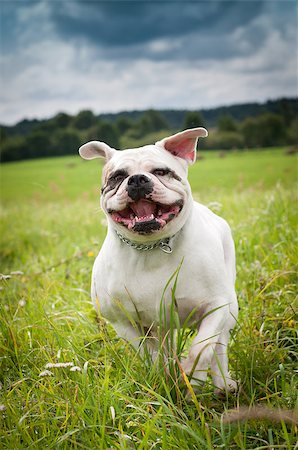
{"x": 163, "y": 244}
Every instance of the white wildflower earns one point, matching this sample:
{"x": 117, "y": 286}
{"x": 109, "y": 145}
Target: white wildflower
{"x": 121, "y": 435}
{"x": 113, "y": 414}
{"x": 86, "y": 367}
{"x": 22, "y": 302}
{"x": 46, "y": 373}
{"x": 58, "y": 365}
{"x": 4, "y": 277}
{"x": 75, "y": 369}
{"x": 131, "y": 423}
{"x": 215, "y": 206}
{"x": 104, "y": 222}
{"x": 2, "y": 407}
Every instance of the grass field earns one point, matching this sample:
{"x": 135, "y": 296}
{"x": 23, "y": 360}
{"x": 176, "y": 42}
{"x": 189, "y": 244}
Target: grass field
{"x": 51, "y": 230}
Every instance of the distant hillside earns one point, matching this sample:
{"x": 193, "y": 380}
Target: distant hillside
{"x": 286, "y": 107}
{"x": 251, "y": 125}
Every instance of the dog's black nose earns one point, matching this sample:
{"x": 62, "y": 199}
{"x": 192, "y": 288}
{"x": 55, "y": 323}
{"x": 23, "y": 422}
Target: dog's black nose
{"x": 138, "y": 180}
{"x": 139, "y": 186}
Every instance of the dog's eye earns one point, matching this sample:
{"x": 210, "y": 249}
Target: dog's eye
{"x": 161, "y": 172}
{"x": 118, "y": 176}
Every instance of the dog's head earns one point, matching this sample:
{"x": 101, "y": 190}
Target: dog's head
{"x": 145, "y": 192}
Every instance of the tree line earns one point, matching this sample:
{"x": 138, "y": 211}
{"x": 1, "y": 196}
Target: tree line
{"x": 63, "y": 134}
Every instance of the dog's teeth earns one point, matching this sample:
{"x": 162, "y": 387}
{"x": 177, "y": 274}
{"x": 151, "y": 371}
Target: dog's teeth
{"x": 144, "y": 218}
{"x": 162, "y": 222}
{"x": 131, "y": 224}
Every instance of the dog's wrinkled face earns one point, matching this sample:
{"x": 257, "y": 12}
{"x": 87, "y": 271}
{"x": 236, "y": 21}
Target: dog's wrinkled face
{"x": 145, "y": 192}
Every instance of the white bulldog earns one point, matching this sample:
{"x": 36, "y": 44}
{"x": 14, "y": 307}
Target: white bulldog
{"x": 154, "y": 226}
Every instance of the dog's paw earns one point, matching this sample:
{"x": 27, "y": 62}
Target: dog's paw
{"x": 196, "y": 376}
{"x": 229, "y": 387}
{"x": 196, "y": 389}
{"x": 187, "y": 365}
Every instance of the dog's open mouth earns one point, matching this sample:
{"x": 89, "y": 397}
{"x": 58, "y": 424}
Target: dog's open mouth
{"x": 145, "y": 216}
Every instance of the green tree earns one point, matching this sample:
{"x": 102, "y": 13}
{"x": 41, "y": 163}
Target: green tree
{"x": 107, "y": 132}
{"x": 293, "y": 132}
{"x": 84, "y": 120}
{"x": 123, "y": 124}
{"x": 66, "y": 142}
{"x": 62, "y": 120}
{"x": 226, "y": 123}
{"x": 39, "y": 144}
{"x": 287, "y": 109}
{"x": 151, "y": 121}
{"x": 224, "y": 140}
{"x": 3, "y": 135}
{"x": 193, "y": 119}
{"x": 14, "y": 149}
{"x": 48, "y": 126}
{"x": 264, "y": 131}
{"x": 250, "y": 132}
{"x": 272, "y": 130}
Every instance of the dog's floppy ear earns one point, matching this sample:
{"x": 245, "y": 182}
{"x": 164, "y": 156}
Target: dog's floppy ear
{"x": 96, "y": 149}
{"x": 184, "y": 144}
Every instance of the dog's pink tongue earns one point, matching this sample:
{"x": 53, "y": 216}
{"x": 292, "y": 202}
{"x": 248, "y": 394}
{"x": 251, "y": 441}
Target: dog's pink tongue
{"x": 143, "y": 208}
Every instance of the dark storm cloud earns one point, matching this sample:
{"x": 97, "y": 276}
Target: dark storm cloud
{"x": 123, "y": 29}
{"x": 8, "y": 22}
{"x": 155, "y": 30}
{"x": 118, "y": 55}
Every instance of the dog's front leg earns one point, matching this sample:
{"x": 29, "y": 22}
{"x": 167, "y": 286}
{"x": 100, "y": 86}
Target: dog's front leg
{"x": 219, "y": 365}
{"x": 206, "y": 348}
{"x": 138, "y": 339}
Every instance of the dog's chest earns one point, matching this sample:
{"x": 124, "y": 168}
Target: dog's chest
{"x": 140, "y": 286}
{"x": 133, "y": 286}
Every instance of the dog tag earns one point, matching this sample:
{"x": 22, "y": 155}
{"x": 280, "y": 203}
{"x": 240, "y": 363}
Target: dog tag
{"x": 165, "y": 247}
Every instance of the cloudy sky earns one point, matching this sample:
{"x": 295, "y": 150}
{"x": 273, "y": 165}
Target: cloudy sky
{"x": 110, "y": 56}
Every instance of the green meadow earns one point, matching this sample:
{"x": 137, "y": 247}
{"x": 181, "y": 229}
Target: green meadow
{"x": 110, "y": 398}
